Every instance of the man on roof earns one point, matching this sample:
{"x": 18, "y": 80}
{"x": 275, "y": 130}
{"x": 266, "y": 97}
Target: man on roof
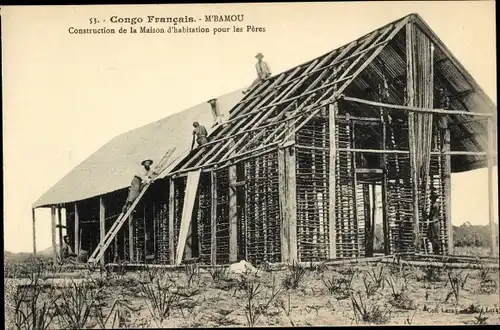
{"x": 263, "y": 72}
{"x": 201, "y": 134}
{"x": 141, "y": 177}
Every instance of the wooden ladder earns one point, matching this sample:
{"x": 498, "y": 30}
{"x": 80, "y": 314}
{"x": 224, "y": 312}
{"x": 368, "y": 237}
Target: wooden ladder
{"x": 113, "y": 231}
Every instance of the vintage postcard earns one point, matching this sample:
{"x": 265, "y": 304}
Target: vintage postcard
{"x": 245, "y": 165}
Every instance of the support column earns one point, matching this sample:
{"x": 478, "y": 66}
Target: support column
{"x": 53, "y": 226}
{"x": 213, "y": 219}
{"x": 171, "y": 219}
{"x": 233, "y": 216}
{"x": 410, "y": 88}
{"x": 34, "y": 231}
{"x": 102, "y": 228}
{"x": 131, "y": 236}
{"x": 332, "y": 230}
{"x": 77, "y": 230}
{"x": 491, "y": 200}
{"x": 59, "y": 231}
{"x": 385, "y": 220}
{"x": 445, "y": 149}
{"x": 284, "y": 228}
{"x": 290, "y": 162}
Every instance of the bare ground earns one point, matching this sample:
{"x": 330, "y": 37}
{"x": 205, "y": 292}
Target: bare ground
{"x": 194, "y": 297}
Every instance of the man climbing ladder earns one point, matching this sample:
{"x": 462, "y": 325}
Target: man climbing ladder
{"x": 138, "y": 181}
{"x": 134, "y": 197}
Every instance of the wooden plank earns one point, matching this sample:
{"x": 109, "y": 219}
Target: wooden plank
{"x": 187, "y": 213}
{"x": 282, "y": 187}
{"x": 53, "y": 231}
{"x": 171, "y": 220}
{"x": 233, "y": 216}
{"x": 102, "y": 227}
{"x": 290, "y": 163}
{"x": 213, "y": 219}
{"x": 34, "y": 231}
{"x": 491, "y": 199}
{"x": 77, "y": 229}
{"x": 332, "y": 229}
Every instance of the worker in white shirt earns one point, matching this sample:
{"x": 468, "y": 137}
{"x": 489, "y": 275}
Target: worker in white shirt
{"x": 141, "y": 178}
{"x": 263, "y": 71}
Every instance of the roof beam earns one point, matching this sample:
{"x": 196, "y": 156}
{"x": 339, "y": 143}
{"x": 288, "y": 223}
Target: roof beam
{"x": 238, "y": 125}
{"x": 415, "y": 109}
{"x": 342, "y": 77}
{"x": 358, "y": 71}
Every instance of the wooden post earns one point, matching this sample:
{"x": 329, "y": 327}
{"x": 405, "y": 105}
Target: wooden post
{"x": 102, "y": 228}
{"x": 332, "y": 229}
{"x": 355, "y": 225}
{"x": 171, "y": 219}
{"x": 59, "y": 231}
{"x": 34, "y": 231}
{"x": 410, "y": 88}
{"x": 131, "y": 236}
{"x": 282, "y": 188}
{"x": 213, "y": 219}
{"x": 491, "y": 201}
{"x": 290, "y": 166}
{"x": 233, "y": 216}
{"x": 77, "y": 230}
{"x": 445, "y": 148}
{"x": 383, "y": 159}
{"x": 53, "y": 225}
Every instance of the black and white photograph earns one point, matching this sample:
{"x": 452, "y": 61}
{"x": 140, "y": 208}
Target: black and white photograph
{"x": 291, "y": 164}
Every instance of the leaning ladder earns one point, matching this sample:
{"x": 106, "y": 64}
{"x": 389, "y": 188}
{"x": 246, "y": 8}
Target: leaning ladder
{"x": 113, "y": 231}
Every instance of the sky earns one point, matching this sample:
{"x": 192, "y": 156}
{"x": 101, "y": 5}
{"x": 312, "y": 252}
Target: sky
{"x": 66, "y": 95}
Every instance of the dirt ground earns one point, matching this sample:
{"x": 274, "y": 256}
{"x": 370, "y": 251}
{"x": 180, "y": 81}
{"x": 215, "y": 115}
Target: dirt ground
{"x": 195, "y": 297}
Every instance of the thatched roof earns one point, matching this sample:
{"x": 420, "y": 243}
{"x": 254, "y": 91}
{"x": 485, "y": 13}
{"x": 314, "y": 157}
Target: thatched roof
{"x": 112, "y": 166}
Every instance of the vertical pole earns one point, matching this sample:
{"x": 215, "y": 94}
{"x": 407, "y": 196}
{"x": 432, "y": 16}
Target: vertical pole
{"x": 290, "y": 165}
{"x": 77, "y": 230}
{"x": 102, "y": 228}
{"x": 282, "y": 186}
{"x": 131, "y": 237}
{"x": 171, "y": 219}
{"x": 410, "y": 87}
{"x": 233, "y": 216}
{"x": 34, "y": 231}
{"x": 385, "y": 220}
{"x": 213, "y": 219}
{"x": 445, "y": 148}
{"x": 53, "y": 225}
{"x": 333, "y": 110}
{"x": 59, "y": 231}
{"x": 493, "y": 228}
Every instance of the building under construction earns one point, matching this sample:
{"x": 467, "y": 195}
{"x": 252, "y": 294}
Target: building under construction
{"x": 300, "y": 164}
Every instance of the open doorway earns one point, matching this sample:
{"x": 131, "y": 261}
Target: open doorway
{"x": 370, "y": 211}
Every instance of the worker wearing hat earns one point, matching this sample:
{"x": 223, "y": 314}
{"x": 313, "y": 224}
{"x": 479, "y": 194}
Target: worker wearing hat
{"x": 140, "y": 178}
{"x": 200, "y": 132}
{"x": 263, "y": 71}
{"x": 433, "y": 224}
